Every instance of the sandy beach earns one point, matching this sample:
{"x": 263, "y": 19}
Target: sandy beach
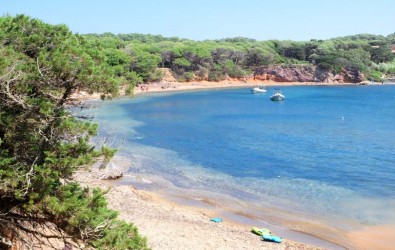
{"x": 171, "y": 224}
{"x": 166, "y": 86}
{"x": 175, "y": 224}
{"x": 231, "y": 83}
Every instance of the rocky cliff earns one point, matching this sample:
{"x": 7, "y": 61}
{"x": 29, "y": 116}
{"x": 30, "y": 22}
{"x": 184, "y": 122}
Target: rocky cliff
{"x": 307, "y": 73}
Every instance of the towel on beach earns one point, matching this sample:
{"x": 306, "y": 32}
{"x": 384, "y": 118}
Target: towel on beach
{"x": 216, "y": 220}
{"x": 272, "y": 238}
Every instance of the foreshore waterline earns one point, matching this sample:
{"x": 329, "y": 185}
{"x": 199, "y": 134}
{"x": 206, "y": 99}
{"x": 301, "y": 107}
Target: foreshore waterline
{"x": 232, "y": 213}
{"x": 128, "y": 194}
{"x": 164, "y": 87}
{"x": 243, "y": 214}
{"x": 207, "y": 85}
{"x": 158, "y": 211}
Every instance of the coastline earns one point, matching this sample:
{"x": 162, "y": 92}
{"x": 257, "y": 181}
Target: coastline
{"x": 174, "y": 225}
{"x": 166, "y": 86}
{"x": 212, "y": 237}
{"x": 231, "y": 83}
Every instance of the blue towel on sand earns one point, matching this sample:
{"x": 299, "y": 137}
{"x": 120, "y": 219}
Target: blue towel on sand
{"x": 216, "y": 220}
{"x": 272, "y": 238}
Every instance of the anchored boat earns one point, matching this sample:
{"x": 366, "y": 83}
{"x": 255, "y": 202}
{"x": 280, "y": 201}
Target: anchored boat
{"x": 278, "y": 96}
{"x": 259, "y": 89}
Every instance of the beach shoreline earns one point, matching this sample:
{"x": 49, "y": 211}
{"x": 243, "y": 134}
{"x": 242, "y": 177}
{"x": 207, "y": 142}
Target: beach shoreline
{"x": 181, "y": 220}
{"x": 175, "y": 224}
{"x": 184, "y": 205}
{"x": 165, "y": 86}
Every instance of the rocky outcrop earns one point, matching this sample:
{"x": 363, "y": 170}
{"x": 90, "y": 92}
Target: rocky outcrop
{"x": 308, "y": 73}
{"x": 285, "y": 73}
{"x": 352, "y": 75}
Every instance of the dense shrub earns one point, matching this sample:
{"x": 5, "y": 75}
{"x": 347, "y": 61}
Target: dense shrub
{"x": 42, "y": 144}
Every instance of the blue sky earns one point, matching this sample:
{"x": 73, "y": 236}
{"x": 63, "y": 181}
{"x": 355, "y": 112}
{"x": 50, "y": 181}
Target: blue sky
{"x": 215, "y": 19}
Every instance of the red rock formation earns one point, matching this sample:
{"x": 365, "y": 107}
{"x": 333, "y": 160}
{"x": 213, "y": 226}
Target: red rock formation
{"x": 306, "y": 73}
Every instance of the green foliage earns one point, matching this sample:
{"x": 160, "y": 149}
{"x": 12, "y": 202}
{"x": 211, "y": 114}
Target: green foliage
{"x": 41, "y": 143}
{"x": 87, "y": 214}
{"x": 115, "y": 57}
{"x": 216, "y": 73}
{"x": 256, "y": 57}
{"x": 133, "y": 80}
{"x": 201, "y": 73}
{"x": 189, "y": 76}
{"x": 387, "y": 68}
{"x": 182, "y": 63}
{"x": 145, "y": 64}
{"x": 376, "y": 76}
{"x": 232, "y": 70}
{"x": 234, "y": 57}
{"x": 183, "y": 76}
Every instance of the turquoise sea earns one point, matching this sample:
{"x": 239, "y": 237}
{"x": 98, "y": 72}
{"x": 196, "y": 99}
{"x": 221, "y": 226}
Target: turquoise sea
{"x": 326, "y": 153}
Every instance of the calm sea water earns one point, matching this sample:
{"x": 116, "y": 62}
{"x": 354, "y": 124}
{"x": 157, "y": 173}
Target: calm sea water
{"x": 325, "y": 151}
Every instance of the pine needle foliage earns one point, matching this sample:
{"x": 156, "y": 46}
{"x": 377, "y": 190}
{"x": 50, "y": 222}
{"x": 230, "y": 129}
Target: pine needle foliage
{"x": 42, "y": 144}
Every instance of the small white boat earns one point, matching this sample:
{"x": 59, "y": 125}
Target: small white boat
{"x": 277, "y": 97}
{"x": 259, "y": 89}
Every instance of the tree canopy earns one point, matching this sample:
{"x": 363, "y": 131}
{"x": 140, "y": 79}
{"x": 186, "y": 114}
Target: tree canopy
{"x": 238, "y": 57}
{"x": 42, "y": 144}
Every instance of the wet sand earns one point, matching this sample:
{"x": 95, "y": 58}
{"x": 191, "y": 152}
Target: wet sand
{"x": 172, "y": 225}
{"x": 374, "y": 237}
{"x": 172, "y": 222}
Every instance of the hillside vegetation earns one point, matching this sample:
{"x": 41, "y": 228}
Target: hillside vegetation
{"x": 42, "y": 145}
{"x": 136, "y": 58}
